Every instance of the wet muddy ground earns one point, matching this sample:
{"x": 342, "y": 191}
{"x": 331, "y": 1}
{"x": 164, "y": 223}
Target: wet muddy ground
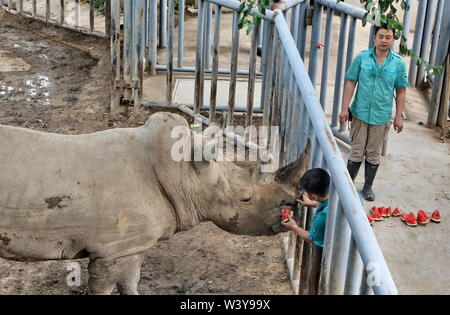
{"x": 60, "y": 83}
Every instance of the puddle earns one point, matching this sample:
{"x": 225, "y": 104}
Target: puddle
{"x": 10, "y": 63}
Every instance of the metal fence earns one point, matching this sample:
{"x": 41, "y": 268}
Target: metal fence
{"x": 69, "y": 14}
{"x": 351, "y": 261}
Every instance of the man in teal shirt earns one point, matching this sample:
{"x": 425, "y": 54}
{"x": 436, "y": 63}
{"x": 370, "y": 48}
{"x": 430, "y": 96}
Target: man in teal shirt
{"x": 315, "y": 184}
{"x": 378, "y": 72}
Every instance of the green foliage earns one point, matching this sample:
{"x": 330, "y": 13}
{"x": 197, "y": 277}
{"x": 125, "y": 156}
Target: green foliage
{"x": 99, "y": 5}
{"x": 384, "y": 13}
{"x": 248, "y": 18}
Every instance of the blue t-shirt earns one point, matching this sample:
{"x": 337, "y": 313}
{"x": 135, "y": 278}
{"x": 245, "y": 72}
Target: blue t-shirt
{"x": 317, "y": 231}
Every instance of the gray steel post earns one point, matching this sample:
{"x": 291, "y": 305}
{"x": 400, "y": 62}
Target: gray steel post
{"x": 169, "y": 81}
{"x": 199, "y": 64}
{"x": 180, "y": 33}
{"x": 354, "y": 272}
{"x": 234, "y": 68}
{"x": 437, "y": 32}
{"x": 153, "y": 36}
{"x": 339, "y": 72}
{"x": 215, "y": 64}
{"x": 419, "y": 29}
{"x": 163, "y": 23}
{"x": 425, "y": 50}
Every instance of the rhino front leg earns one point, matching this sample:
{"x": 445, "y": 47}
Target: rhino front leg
{"x": 106, "y": 273}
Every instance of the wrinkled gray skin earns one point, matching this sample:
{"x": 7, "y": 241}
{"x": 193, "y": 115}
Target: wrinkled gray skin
{"x": 111, "y": 195}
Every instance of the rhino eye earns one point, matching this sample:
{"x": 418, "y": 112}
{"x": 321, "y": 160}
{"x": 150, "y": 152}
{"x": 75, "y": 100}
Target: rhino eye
{"x": 246, "y": 199}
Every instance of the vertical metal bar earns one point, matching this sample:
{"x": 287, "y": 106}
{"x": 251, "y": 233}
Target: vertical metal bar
{"x": 208, "y": 35}
{"x": 407, "y": 20}
{"x": 315, "y": 40}
{"x": 91, "y": 16}
{"x": 170, "y": 53}
{"x": 199, "y": 64}
{"x": 139, "y": 47}
{"x": 341, "y": 246}
{"x": 127, "y": 46}
{"x": 324, "y": 282}
{"x": 180, "y": 33}
{"x": 264, "y": 55}
{"x": 153, "y": 36}
{"x": 306, "y": 259}
{"x": 251, "y": 75}
{"x": 350, "y": 50}
{"x": 163, "y": 23}
{"x": 425, "y": 50}
{"x": 215, "y": 65}
{"x": 47, "y": 10}
{"x": 266, "y": 92}
{"x": 115, "y": 53}
{"x": 326, "y": 59}
{"x": 9, "y": 5}
{"x": 339, "y": 71}
{"x": 33, "y": 8}
{"x": 108, "y": 18}
{"x": 437, "y": 32}
{"x": 77, "y": 13}
{"x": 233, "y": 70}
{"x": 301, "y": 40}
{"x": 355, "y": 271}
{"x": 61, "y": 13}
{"x": 21, "y": 6}
{"x": 418, "y": 34}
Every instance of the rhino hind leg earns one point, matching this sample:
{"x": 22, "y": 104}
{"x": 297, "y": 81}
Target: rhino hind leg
{"x": 105, "y": 274}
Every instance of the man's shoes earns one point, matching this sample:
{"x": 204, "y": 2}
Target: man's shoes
{"x": 422, "y": 217}
{"x": 396, "y": 213}
{"x": 411, "y": 220}
{"x": 353, "y": 168}
{"x": 369, "y": 176}
{"x": 436, "y": 216}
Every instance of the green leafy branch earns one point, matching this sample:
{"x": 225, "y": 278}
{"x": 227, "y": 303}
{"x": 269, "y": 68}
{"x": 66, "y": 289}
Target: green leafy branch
{"x": 249, "y": 18}
{"x": 384, "y": 13}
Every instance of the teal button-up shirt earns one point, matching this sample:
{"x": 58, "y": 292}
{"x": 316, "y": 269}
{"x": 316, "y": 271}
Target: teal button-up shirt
{"x": 376, "y": 85}
{"x": 317, "y": 231}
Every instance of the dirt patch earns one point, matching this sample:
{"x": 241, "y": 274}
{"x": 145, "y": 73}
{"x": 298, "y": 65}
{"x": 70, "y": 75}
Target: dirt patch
{"x": 67, "y": 90}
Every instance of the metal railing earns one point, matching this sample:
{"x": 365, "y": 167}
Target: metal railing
{"x": 62, "y": 13}
{"x": 351, "y": 261}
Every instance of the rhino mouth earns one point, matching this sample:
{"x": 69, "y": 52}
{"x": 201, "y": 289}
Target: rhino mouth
{"x": 277, "y": 227}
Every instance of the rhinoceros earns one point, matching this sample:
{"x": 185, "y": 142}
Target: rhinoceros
{"x": 110, "y": 195}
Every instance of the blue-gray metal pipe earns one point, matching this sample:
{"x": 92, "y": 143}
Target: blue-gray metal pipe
{"x": 169, "y": 73}
{"x": 234, "y": 5}
{"x": 234, "y": 68}
{"x": 163, "y": 23}
{"x": 208, "y": 24}
{"x": 437, "y": 32}
{"x": 354, "y": 272}
{"x": 428, "y": 29}
{"x": 215, "y": 65}
{"x": 371, "y": 36}
{"x": 407, "y": 20}
{"x": 339, "y": 72}
{"x": 180, "y": 33}
{"x": 364, "y": 237}
{"x": 324, "y": 282}
{"x": 153, "y": 36}
{"x": 418, "y": 34}
{"x": 326, "y": 59}
{"x": 301, "y": 37}
{"x": 343, "y": 7}
{"x": 341, "y": 247}
{"x": 128, "y": 44}
{"x": 199, "y": 64}
{"x": 349, "y": 59}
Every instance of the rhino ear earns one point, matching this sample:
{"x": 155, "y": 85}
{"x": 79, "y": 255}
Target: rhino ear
{"x": 291, "y": 173}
